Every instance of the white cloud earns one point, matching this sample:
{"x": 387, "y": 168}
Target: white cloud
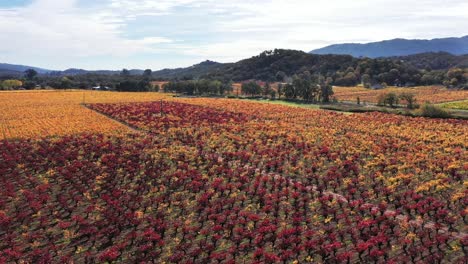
{"x": 305, "y": 25}
{"x": 58, "y": 28}
{"x": 154, "y": 40}
{"x": 191, "y": 30}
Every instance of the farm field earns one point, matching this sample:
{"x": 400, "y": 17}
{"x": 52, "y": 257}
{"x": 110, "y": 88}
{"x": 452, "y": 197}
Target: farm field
{"x": 432, "y": 94}
{"x": 462, "y": 105}
{"x": 231, "y": 181}
{"x": 34, "y": 114}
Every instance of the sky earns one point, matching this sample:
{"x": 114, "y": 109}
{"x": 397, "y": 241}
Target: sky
{"x": 156, "y": 34}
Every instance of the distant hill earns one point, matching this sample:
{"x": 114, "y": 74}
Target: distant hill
{"x": 398, "y": 47}
{"x": 10, "y": 73}
{"x": 284, "y": 65}
{"x": 18, "y": 70}
{"x": 73, "y": 71}
{"x": 434, "y": 60}
{"x": 194, "y": 71}
{"x": 267, "y": 64}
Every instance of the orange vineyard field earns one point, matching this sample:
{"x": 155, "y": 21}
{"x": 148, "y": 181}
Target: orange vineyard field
{"x": 432, "y": 94}
{"x": 46, "y": 113}
{"x": 228, "y": 181}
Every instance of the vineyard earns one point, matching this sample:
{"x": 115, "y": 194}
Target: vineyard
{"x": 35, "y": 114}
{"x": 431, "y": 94}
{"x": 227, "y": 181}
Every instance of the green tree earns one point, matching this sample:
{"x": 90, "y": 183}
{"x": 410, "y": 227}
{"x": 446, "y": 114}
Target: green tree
{"x": 455, "y": 76}
{"x": 251, "y": 88}
{"x": 227, "y": 87}
{"x": 280, "y": 76}
{"x": 305, "y": 87}
{"x": 289, "y": 91}
{"x": 29, "y": 85}
{"x": 390, "y": 99}
{"x": 125, "y": 73}
{"x": 65, "y": 83}
{"x": 267, "y": 89}
{"x": 409, "y": 98}
{"x": 366, "y": 80}
{"x": 280, "y": 90}
{"x": 393, "y": 77}
{"x": 134, "y": 86}
{"x": 350, "y": 79}
{"x": 11, "y": 84}
{"x": 147, "y": 73}
{"x": 272, "y": 94}
{"x": 326, "y": 90}
{"x": 30, "y": 74}
{"x": 214, "y": 87}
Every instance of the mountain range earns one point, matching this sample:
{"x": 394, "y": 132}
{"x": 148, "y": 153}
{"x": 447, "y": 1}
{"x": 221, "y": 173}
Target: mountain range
{"x": 398, "y": 47}
{"x": 436, "y": 54}
{"x": 196, "y": 70}
{"x": 15, "y": 70}
{"x": 267, "y": 64}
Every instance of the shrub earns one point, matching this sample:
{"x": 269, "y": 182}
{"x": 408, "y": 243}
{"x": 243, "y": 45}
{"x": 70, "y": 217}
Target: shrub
{"x": 409, "y": 98}
{"x": 390, "y": 99}
{"x": 430, "y": 110}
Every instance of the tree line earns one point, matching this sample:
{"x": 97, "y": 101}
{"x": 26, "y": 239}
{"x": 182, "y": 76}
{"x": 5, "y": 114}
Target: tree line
{"x": 304, "y": 86}
{"x": 117, "y": 82}
{"x": 272, "y": 66}
{"x": 198, "y": 87}
{"x": 341, "y": 70}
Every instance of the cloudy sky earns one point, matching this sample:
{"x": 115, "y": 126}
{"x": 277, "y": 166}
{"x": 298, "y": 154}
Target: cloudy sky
{"x": 116, "y": 34}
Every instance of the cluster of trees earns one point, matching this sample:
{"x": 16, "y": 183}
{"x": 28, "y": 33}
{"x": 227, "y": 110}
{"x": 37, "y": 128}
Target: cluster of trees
{"x": 371, "y": 71}
{"x": 134, "y": 86}
{"x": 304, "y": 86}
{"x": 454, "y": 77}
{"x": 120, "y": 82}
{"x": 10, "y": 84}
{"x": 435, "y": 60}
{"x": 343, "y": 70}
{"x": 393, "y": 99}
{"x": 252, "y": 88}
{"x": 457, "y": 77}
{"x": 265, "y": 66}
{"x": 26, "y": 82}
{"x": 198, "y": 87}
